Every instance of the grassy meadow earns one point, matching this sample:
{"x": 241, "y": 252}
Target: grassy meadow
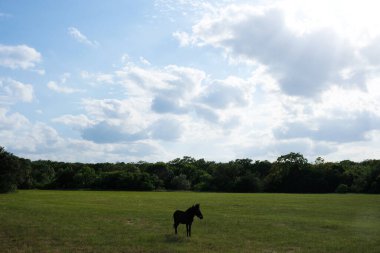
{"x": 105, "y": 221}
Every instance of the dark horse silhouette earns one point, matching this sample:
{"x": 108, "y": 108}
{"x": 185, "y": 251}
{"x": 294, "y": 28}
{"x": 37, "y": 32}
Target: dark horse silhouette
{"x": 187, "y": 218}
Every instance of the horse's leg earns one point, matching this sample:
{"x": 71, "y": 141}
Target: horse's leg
{"x": 187, "y": 229}
{"x": 175, "y": 227}
{"x": 190, "y": 230}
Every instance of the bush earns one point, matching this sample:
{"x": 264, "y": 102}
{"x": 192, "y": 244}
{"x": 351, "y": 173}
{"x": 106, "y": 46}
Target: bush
{"x": 342, "y": 188}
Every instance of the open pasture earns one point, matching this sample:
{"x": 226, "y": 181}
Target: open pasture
{"x": 95, "y": 221}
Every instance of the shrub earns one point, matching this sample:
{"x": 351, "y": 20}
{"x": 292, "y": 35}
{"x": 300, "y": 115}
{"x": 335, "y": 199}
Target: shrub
{"x": 342, "y": 188}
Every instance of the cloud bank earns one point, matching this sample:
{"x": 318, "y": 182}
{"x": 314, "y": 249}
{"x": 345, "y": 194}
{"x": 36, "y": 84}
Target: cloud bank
{"x": 250, "y": 80}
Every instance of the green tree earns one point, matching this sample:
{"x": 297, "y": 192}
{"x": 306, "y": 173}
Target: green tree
{"x": 25, "y": 179}
{"x": 287, "y": 173}
{"x": 248, "y": 183}
{"x": 162, "y": 172}
{"x": 319, "y": 160}
{"x": 9, "y": 171}
{"x": 180, "y": 182}
{"x": 43, "y": 175}
{"x": 342, "y": 188}
{"x": 85, "y": 177}
{"x": 224, "y": 176}
{"x": 65, "y": 178}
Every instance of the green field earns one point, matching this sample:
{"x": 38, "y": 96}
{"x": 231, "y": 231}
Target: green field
{"x": 92, "y": 221}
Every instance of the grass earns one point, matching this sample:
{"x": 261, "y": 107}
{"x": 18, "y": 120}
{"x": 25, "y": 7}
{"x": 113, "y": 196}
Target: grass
{"x": 92, "y": 221}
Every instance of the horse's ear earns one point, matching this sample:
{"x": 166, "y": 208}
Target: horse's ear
{"x": 197, "y": 205}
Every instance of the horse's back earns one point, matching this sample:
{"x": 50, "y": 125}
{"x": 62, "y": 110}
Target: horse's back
{"x": 177, "y": 215}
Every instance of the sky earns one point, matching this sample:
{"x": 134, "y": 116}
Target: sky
{"x": 128, "y": 81}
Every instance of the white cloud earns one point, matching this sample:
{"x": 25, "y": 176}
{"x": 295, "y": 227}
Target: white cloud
{"x": 372, "y": 51}
{"x": 18, "y": 57}
{"x": 303, "y": 65}
{"x": 89, "y": 151}
{"x": 60, "y": 88}
{"x": 12, "y": 91}
{"x": 37, "y": 140}
{"x": 102, "y": 109}
{"x": 166, "y": 129}
{"x": 274, "y": 148}
{"x": 95, "y": 78}
{"x": 123, "y": 121}
{"x": 109, "y": 132}
{"x": 228, "y": 92}
{"x": 188, "y": 9}
{"x": 18, "y": 133}
{"x": 168, "y": 90}
{"x": 144, "y": 61}
{"x": 296, "y": 78}
{"x": 80, "y": 37}
{"x": 173, "y": 110}
{"x": 304, "y": 46}
{"x": 115, "y": 120}
{"x": 184, "y": 38}
{"x": 357, "y": 21}
{"x": 76, "y": 121}
{"x": 41, "y": 72}
{"x": 11, "y": 121}
{"x": 341, "y": 128}
{"x": 177, "y": 104}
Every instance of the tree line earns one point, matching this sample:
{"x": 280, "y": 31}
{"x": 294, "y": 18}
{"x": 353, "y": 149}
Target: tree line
{"x": 290, "y": 173}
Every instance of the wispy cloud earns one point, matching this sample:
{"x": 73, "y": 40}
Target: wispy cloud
{"x": 81, "y": 38}
{"x": 60, "y": 88}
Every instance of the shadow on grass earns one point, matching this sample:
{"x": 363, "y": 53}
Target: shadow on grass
{"x": 171, "y": 238}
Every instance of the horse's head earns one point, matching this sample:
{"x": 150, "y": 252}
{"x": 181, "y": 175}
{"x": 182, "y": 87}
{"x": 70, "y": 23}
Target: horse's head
{"x": 198, "y": 211}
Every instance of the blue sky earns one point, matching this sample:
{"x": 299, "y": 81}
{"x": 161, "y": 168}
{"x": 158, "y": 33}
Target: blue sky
{"x": 93, "y": 81}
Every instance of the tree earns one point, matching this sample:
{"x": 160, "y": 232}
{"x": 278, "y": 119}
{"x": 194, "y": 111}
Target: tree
{"x": 292, "y": 158}
{"x": 9, "y": 171}
{"x": 287, "y": 174}
{"x": 204, "y": 182}
{"x": 223, "y": 177}
{"x": 374, "y": 178}
{"x": 162, "y": 172}
{"x": 319, "y": 160}
{"x": 342, "y": 188}
{"x": 248, "y": 183}
{"x": 180, "y": 182}
{"x": 65, "y": 178}
{"x": 43, "y": 175}
{"x": 85, "y": 177}
{"x": 262, "y": 168}
{"x": 25, "y": 179}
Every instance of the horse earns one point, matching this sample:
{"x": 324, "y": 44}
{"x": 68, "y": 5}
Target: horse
{"x": 187, "y": 218}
